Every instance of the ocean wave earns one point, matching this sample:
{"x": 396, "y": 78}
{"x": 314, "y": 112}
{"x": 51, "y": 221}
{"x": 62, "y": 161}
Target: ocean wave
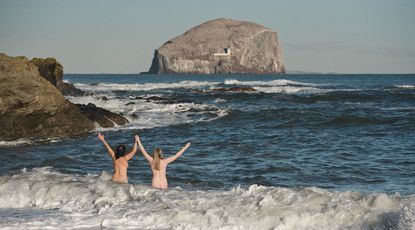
{"x": 405, "y": 86}
{"x": 184, "y": 84}
{"x": 25, "y": 141}
{"x": 348, "y": 120}
{"x": 290, "y": 89}
{"x": 93, "y": 201}
{"x": 143, "y": 113}
{"x": 142, "y": 87}
{"x": 18, "y": 142}
{"x": 278, "y": 82}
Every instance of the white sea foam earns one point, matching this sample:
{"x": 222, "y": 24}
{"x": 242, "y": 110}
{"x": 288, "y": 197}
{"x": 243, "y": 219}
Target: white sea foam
{"x": 24, "y": 141}
{"x": 405, "y": 86}
{"x": 17, "y": 142}
{"x": 289, "y": 89}
{"x": 184, "y": 84}
{"x": 220, "y": 100}
{"x": 279, "y": 82}
{"x": 143, "y": 87}
{"x": 148, "y": 114}
{"x": 279, "y": 86}
{"x": 93, "y": 201}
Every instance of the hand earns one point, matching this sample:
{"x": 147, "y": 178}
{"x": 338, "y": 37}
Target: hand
{"x": 101, "y": 137}
{"x": 187, "y": 145}
{"x": 137, "y": 138}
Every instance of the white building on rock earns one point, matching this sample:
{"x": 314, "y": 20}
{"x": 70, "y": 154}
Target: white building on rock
{"x": 226, "y": 53}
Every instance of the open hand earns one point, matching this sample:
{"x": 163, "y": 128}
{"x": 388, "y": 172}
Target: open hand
{"x": 101, "y": 137}
{"x": 187, "y": 144}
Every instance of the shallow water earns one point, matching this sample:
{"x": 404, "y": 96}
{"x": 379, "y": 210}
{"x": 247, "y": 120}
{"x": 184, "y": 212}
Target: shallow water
{"x": 320, "y": 151}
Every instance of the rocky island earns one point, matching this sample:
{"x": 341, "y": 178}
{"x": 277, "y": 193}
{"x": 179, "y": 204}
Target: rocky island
{"x": 32, "y": 104}
{"x": 221, "y": 46}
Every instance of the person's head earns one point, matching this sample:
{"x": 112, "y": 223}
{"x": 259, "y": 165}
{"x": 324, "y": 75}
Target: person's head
{"x": 120, "y": 151}
{"x": 158, "y": 154}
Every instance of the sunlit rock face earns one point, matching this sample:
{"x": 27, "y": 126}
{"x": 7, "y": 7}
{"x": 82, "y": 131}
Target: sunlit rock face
{"x": 221, "y": 46}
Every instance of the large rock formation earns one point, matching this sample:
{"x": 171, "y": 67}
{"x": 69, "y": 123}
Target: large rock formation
{"x": 221, "y": 46}
{"x": 52, "y": 70}
{"x": 33, "y": 108}
{"x": 101, "y": 116}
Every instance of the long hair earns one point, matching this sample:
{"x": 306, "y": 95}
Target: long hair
{"x": 120, "y": 151}
{"x": 158, "y": 154}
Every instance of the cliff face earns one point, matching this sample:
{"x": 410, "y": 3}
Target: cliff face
{"x": 221, "y": 46}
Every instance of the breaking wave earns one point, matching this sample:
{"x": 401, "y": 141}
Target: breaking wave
{"x": 143, "y": 113}
{"x": 142, "y": 87}
{"x": 279, "y": 82}
{"x": 92, "y": 201}
{"x": 405, "y": 86}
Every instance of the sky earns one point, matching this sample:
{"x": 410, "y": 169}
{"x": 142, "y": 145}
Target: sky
{"x": 103, "y": 36}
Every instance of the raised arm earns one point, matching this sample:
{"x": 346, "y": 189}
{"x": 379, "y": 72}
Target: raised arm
{"x": 133, "y": 151}
{"x": 143, "y": 151}
{"x": 178, "y": 154}
{"x": 110, "y": 151}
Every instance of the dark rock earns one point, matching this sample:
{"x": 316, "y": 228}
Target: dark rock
{"x": 102, "y": 116}
{"x": 235, "y": 89}
{"x": 52, "y": 70}
{"x": 49, "y": 69}
{"x": 134, "y": 115}
{"x": 70, "y": 90}
{"x": 155, "y": 98}
{"x": 103, "y": 98}
{"x": 31, "y": 107}
{"x": 130, "y": 103}
{"x": 221, "y": 46}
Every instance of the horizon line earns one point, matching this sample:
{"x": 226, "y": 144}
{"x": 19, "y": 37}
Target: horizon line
{"x": 300, "y": 73}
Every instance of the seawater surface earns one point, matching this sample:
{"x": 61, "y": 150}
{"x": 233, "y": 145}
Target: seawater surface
{"x": 299, "y": 152}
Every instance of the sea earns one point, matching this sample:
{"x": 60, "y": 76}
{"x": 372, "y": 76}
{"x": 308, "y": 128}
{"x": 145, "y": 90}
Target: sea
{"x": 305, "y": 151}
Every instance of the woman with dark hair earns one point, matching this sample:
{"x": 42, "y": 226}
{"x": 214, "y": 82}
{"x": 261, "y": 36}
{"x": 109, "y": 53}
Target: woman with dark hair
{"x": 159, "y": 164}
{"x": 120, "y": 159}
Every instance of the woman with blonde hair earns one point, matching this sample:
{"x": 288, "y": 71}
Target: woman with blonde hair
{"x": 159, "y": 164}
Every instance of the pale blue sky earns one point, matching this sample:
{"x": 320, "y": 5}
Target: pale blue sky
{"x": 102, "y": 36}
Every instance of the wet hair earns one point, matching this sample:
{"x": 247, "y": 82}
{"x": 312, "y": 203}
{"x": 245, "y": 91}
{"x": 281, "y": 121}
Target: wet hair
{"x": 120, "y": 151}
{"x": 158, "y": 154}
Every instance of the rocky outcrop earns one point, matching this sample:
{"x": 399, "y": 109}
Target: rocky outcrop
{"x": 31, "y": 107}
{"x": 101, "y": 116}
{"x": 221, "y": 46}
{"x": 52, "y": 70}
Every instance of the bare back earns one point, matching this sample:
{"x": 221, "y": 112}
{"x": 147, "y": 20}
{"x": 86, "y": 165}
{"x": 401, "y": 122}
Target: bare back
{"x": 120, "y": 170}
{"x": 159, "y": 176}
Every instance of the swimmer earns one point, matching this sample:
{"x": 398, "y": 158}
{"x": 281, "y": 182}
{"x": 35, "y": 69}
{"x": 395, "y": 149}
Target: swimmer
{"x": 119, "y": 159}
{"x": 159, "y": 164}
